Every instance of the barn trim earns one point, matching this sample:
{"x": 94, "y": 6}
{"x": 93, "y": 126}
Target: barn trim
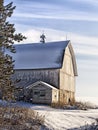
{"x": 42, "y": 83}
{"x": 73, "y": 59}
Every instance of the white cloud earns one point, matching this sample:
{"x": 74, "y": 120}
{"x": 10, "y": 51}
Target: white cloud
{"x": 92, "y": 2}
{"x": 84, "y": 39}
{"x": 32, "y": 36}
{"x": 82, "y": 44}
{"x": 61, "y": 15}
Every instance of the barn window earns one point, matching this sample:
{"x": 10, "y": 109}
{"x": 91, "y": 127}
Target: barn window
{"x": 36, "y": 92}
{"x": 42, "y": 93}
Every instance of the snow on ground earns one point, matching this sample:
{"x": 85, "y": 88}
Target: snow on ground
{"x": 59, "y": 119}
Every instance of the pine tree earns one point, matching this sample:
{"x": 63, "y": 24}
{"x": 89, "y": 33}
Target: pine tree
{"x": 7, "y": 39}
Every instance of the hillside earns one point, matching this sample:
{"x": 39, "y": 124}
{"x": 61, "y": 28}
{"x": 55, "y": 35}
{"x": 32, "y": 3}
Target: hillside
{"x": 59, "y": 119}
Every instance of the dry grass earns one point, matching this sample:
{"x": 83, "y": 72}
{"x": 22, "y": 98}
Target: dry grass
{"x": 76, "y": 105}
{"x": 16, "y": 118}
{"x": 84, "y": 105}
{"x": 57, "y": 105}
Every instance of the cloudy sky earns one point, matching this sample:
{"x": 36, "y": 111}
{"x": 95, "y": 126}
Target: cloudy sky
{"x": 75, "y": 20}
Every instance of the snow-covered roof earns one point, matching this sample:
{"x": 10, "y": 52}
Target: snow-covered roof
{"x": 40, "y": 82}
{"x": 39, "y": 56}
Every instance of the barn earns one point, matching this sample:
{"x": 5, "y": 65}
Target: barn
{"x": 46, "y": 72}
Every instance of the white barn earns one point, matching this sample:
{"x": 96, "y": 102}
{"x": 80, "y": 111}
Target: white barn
{"x": 46, "y": 72}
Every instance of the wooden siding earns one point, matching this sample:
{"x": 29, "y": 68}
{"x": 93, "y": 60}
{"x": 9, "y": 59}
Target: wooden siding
{"x": 50, "y": 76}
{"x": 55, "y": 95}
{"x": 66, "y": 97}
{"x": 67, "y": 79}
{"x": 37, "y": 98}
{"x": 42, "y": 94}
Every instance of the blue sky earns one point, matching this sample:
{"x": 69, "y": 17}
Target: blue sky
{"x": 76, "y": 19}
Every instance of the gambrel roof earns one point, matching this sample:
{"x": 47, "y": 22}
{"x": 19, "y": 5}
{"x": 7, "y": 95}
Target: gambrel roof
{"x": 42, "y": 56}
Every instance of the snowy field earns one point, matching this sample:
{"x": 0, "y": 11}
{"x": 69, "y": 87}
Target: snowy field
{"x": 59, "y": 119}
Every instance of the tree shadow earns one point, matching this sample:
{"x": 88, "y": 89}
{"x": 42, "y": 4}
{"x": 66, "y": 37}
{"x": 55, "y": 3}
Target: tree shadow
{"x": 93, "y": 126}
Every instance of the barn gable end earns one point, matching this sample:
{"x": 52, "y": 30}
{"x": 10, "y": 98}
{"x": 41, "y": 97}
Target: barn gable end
{"x": 67, "y": 76}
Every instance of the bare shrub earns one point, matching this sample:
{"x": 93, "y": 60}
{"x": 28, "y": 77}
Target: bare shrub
{"x": 16, "y": 118}
{"x": 77, "y": 105}
{"x": 84, "y": 105}
{"x": 62, "y": 105}
{"x": 81, "y": 105}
